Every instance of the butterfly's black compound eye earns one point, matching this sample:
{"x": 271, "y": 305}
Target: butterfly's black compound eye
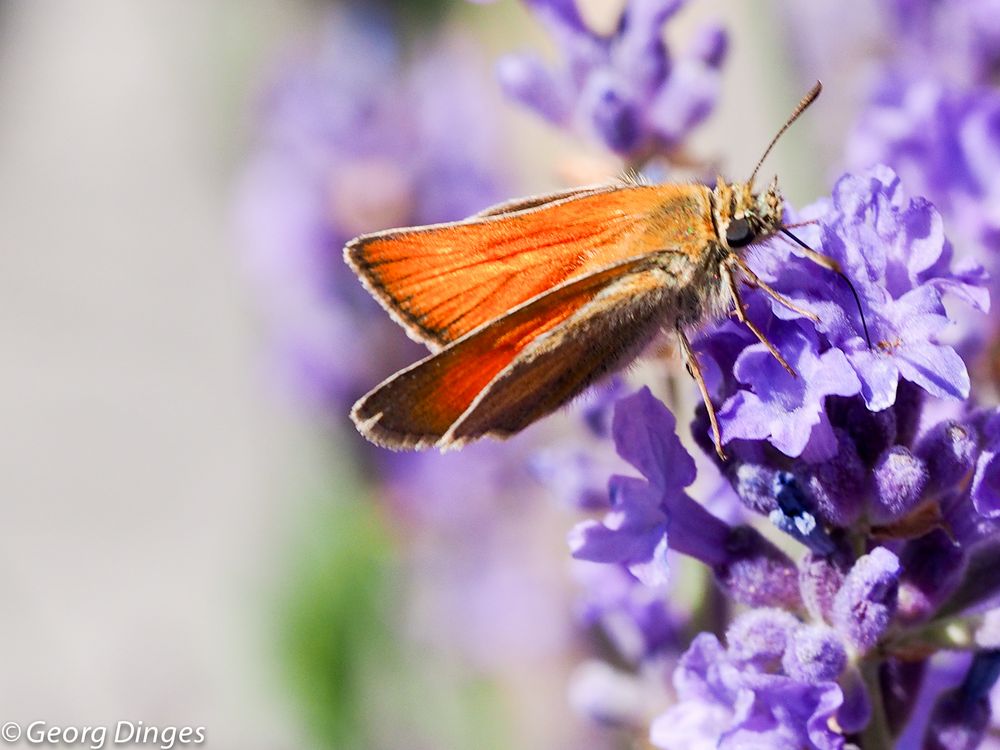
{"x": 739, "y": 233}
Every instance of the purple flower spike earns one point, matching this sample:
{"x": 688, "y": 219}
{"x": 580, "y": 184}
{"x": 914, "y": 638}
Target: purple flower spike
{"x": 787, "y": 410}
{"x": 623, "y": 88}
{"x": 634, "y": 533}
{"x": 815, "y": 653}
{"x": 864, "y": 606}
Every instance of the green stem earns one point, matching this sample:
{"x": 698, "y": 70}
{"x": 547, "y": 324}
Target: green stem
{"x": 876, "y": 736}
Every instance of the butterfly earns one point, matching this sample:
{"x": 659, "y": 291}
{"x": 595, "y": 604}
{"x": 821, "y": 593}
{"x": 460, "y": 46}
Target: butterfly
{"x": 528, "y": 303}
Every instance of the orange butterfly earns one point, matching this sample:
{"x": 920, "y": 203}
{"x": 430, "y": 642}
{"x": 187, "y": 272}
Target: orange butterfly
{"x": 528, "y": 303}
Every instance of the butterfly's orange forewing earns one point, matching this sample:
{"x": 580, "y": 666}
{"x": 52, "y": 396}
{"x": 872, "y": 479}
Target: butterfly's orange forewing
{"x": 446, "y": 280}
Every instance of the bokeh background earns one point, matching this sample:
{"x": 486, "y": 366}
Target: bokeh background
{"x": 184, "y": 542}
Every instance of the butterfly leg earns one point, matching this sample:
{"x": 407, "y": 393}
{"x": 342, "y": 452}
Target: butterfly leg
{"x": 691, "y": 362}
{"x": 741, "y": 315}
{"x": 782, "y": 299}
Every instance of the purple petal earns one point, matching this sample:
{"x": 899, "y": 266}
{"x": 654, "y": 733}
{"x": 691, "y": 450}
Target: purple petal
{"x": 879, "y": 376}
{"x": 935, "y": 368}
{"x": 986, "y": 485}
{"x": 645, "y": 435}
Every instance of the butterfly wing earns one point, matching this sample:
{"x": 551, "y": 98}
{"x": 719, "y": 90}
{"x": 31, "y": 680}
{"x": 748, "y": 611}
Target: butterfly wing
{"x": 443, "y": 281}
{"x": 512, "y": 371}
{"x": 603, "y": 336}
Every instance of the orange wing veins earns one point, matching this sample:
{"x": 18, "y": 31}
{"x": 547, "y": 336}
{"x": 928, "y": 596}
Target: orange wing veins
{"x": 445, "y": 280}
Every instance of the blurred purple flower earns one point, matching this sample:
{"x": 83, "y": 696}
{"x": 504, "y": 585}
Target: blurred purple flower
{"x": 477, "y": 582}
{"x": 576, "y": 469}
{"x": 352, "y": 139}
{"x": 624, "y": 89}
{"x": 610, "y": 696}
{"x": 961, "y": 716}
{"x": 636, "y": 619}
{"x": 958, "y": 40}
{"x": 945, "y": 143}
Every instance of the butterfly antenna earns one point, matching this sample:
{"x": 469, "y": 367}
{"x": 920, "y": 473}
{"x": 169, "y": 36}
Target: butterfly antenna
{"x": 834, "y": 266}
{"x": 808, "y": 99}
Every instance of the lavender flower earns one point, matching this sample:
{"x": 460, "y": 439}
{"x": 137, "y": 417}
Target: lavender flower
{"x": 900, "y": 264}
{"x": 840, "y": 447}
{"x": 958, "y": 40}
{"x": 651, "y": 514}
{"x": 730, "y": 699}
{"x": 623, "y": 89}
{"x": 945, "y": 142}
{"x": 786, "y": 410}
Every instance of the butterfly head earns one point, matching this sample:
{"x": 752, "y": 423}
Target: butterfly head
{"x": 744, "y": 217}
